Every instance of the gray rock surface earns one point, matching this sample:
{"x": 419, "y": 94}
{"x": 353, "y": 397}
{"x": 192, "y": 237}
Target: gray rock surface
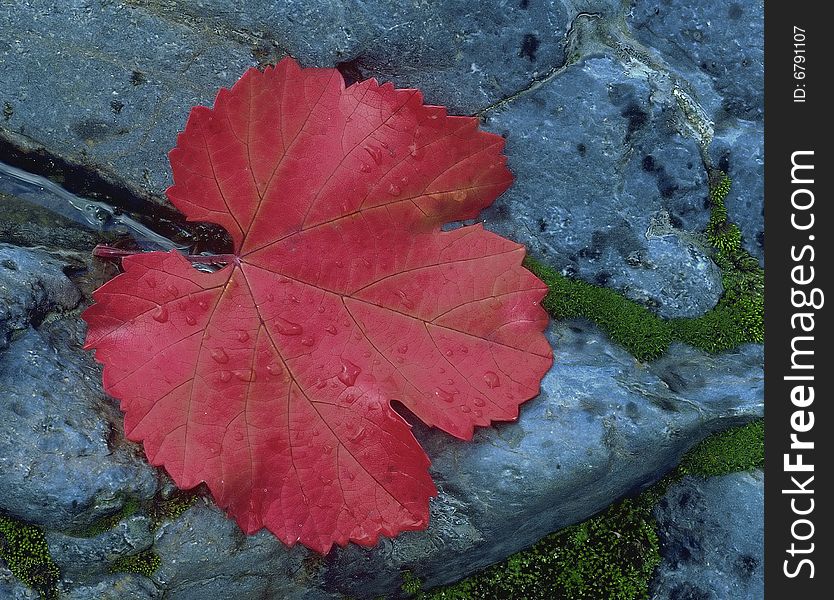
{"x": 205, "y": 555}
{"x": 712, "y": 538}
{"x": 31, "y": 284}
{"x": 12, "y": 589}
{"x": 82, "y": 557}
{"x": 595, "y": 162}
{"x": 61, "y": 464}
{"x": 112, "y": 587}
{"x": 719, "y": 48}
{"x": 114, "y": 84}
{"x": 466, "y": 55}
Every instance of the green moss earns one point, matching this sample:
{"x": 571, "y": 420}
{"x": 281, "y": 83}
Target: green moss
{"x": 144, "y": 563}
{"x": 737, "y": 449}
{"x": 739, "y": 315}
{"x": 626, "y": 322}
{"x": 24, "y": 550}
{"x": 130, "y": 507}
{"x": 737, "y": 318}
{"x": 411, "y": 583}
{"x": 170, "y": 508}
{"x": 613, "y": 554}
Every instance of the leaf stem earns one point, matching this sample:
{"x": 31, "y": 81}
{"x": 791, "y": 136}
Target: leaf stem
{"x": 103, "y": 251}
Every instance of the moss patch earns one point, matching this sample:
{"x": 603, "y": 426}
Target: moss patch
{"x": 172, "y": 507}
{"x": 130, "y": 507}
{"x": 411, "y": 583}
{"x": 628, "y": 323}
{"x": 24, "y": 550}
{"x": 144, "y": 563}
{"x": 611, "y": 555}
{"x": 737, "y": 318}
{"x": 739, "y": 315}
{"x": 738, "y": 449}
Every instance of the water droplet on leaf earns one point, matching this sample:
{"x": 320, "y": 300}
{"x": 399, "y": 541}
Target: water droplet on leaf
{"x": 245, "y": 374}
{"x": 160, "y": 314}
{"x": 444, "y": 395}
{"x": 406, "y": 301}
{"x": 219, "y": 356}
{"x": 375, "y": 153}
{"x": 492, "y": 380}
{"x": 285, "y": 327}
{"x": 349, "y": 373}
{"x": 274, "y": 369}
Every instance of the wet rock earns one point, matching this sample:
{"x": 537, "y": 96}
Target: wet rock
{"x": 719, "y": 49}
{"x": 12, "y": 589}
{"x": 83, "y": 557}
{"x": 32, "y": 284}
{"x": 205, "y": 555}
{"x": 23, "y": 224}
{"x": 464, "y": 55}
{"x": 114, "y": 587}
{"x": 712, "y": 538}
{"x": 114, "y": 86}
{"x": 595, "y": 162}
{"x": 62, "y": 465}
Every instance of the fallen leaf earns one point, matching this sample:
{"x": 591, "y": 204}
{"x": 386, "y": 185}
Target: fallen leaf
{"x": 271, "y": 379}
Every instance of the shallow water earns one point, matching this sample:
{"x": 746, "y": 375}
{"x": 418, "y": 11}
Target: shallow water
{"x": 31, "y": 203}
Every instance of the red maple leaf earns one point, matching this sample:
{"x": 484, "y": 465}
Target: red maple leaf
{"x": 271, "y": 379}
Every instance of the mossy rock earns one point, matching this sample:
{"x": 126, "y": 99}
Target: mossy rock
{"x": 24, "y": 550}
{"x": 737, "y": 318}
{"x": 612, "y": 555}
